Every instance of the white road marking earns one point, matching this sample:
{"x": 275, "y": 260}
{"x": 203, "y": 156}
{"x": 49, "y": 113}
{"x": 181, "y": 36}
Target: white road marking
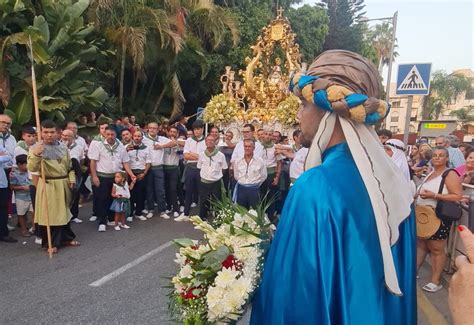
{"x": 128, "y": 266}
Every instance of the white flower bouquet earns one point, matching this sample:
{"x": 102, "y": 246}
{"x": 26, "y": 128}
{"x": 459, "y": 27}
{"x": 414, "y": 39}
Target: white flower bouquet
{"x": 218, "y": 275}
{"x": 221, "y": 110}
{"x": 287, "y": 111}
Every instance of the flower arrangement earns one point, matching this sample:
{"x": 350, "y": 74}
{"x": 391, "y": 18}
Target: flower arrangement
{"x": 287, "y": 110}
{"x": 259, "y": 115}
{"x": 220, "y": 110}
{"x": 218, "y": 275}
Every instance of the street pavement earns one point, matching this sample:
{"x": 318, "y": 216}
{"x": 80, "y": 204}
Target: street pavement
{"x": 116, "y": 277}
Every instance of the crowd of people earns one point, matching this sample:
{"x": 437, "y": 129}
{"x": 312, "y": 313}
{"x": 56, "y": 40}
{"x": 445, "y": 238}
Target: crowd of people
{"x": 134, "y": 172}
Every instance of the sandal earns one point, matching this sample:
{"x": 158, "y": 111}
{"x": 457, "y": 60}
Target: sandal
{"x": 431, "y": 287}
{"x": 73, "y": 243}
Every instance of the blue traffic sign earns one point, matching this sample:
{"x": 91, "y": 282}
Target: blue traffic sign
{"x": 413, "y": 79}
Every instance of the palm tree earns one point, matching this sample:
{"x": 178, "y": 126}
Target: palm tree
{"x": 128, "y": 24}
{"x": 464, "y": 115}
{"x": 444, "y": 89}
{"x": 382, "y": 42}
{"x": 203, "y": 26}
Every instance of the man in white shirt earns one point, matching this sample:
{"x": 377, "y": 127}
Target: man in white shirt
{"x": 297, "y": 154}
{"x": 156, "y": 179}
{"x": 249, "y": 172}
{"x": 107, "y": 158}
{"x": 140, "y": 163}
{"x": 269, "y": 188}
{"x": 248, "y": 134}
{"x": 171, "y": 172}
{"x": 211, "y": 163}
{"x": 193, "y": 147}
{"x": 76, "y": 153}
{"x": 80, "y": 141}
{"x": 102, "y": 124}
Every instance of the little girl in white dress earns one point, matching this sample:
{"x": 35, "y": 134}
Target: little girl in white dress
{"x": 121, "y": 203}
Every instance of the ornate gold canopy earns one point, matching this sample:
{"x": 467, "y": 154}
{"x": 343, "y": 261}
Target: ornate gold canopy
{"x": 264, "y": 85}
{"x": 266, "y": 80}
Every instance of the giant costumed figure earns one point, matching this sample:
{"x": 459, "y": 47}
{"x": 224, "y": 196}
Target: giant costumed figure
{"x": 344, "y": 250}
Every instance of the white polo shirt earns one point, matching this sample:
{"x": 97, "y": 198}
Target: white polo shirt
{"x": 156, "y": 154}
{"x": 211, "y": 167}
{"x": 297, "y": 164}
{"x": 81, "y": 142}
{"x": 76, "y": 151}
{"x": 108, "y": 161}
{"x": 193, "y": 146}
{"x": 239, "y": 151}
{"x": 253, "y": 173}
{"x": 139, "y": 157}
{"x": 171, "y": 157}
{"x": 269, "y": 157}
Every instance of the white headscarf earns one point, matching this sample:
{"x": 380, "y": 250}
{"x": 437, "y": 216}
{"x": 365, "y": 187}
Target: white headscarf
{"x": 380, "y": 176}
{"x": 399, "y": 157}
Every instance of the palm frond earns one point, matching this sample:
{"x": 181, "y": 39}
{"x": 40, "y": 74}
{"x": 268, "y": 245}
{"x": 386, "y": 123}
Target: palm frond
{"x": 178, "y": 96}
{"x": 136, "y": 42}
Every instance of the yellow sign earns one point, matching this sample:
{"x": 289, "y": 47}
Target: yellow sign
{"x": 434, "y": 126}
{"x": 277, "y": 32}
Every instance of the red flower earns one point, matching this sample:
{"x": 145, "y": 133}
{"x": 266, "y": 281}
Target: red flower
{"x": 229, "y": 262}
{"x": 188, "y": 294}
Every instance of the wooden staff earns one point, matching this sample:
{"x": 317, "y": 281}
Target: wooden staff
{"x": 38, "y": 131}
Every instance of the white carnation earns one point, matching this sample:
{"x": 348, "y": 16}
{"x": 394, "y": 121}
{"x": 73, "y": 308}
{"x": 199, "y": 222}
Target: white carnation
{"x": 226, "y": 277}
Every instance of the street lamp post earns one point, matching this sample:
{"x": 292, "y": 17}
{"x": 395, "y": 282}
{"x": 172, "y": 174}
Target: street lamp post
{"x": 393, "y": 19}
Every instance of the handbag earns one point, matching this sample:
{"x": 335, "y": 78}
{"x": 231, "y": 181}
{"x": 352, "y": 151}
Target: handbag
{"x": 445, "y": 210}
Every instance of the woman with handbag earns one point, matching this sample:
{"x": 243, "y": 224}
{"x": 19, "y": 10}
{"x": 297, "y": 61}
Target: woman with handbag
{"x": 440, "y": 189}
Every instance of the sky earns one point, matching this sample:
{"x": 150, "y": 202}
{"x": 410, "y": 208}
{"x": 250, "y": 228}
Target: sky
{"x": 436, "y": 31}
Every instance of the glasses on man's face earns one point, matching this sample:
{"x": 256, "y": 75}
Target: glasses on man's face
{"x": 246, "y": 131}
{"x": 6, "y": 123}
{"x": 439, "y": 144}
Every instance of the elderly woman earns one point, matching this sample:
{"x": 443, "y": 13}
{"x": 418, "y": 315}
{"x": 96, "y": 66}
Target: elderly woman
{"x": 429, "y": 196}
{"x": 345, "y": 241}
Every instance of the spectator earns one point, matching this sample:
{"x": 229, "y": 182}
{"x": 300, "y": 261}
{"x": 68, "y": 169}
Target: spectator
{"x": 5, "y": 159}
{"x": 465, "y": 149}
{"x": 467, "y": 167}
{"x": 428, "y": 197}
{"x": 28, "y": 138}
{"x": 20, "y": 184}
{"x": 456, "y": 157}
{"x": 126, "y": 137}
{"x": 212, "y": 165}
{"x": 384, "y": 135}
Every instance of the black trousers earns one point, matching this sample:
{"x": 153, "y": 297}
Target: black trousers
{"x": 270, "y": 193}
{"x": 137, "y": 198}
{"x": 191, "y": 183}
{"x": 248, "y": 197}
{"x": 181, "y": 183}
{"x": 104, "y": 199}
{"x": 59, "y": 235}
{"x": 171, "y": 186}
{"x": 4, "y": 193}
{"x": 207, "y": 193}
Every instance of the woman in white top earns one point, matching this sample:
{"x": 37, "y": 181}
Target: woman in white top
{"x": 428, "y": 196}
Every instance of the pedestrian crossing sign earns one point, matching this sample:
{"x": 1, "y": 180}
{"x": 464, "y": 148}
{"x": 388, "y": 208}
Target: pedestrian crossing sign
{"x": 413, "y": 79}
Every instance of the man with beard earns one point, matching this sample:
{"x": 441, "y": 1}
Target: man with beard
{"x": 344, "y": 250}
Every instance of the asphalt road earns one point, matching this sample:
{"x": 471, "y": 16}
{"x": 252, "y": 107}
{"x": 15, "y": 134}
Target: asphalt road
{"x": 116, "y": 277}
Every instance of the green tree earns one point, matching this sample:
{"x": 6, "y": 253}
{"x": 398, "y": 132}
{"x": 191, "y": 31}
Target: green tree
{"x": 68, "y": 58}
{"x": 444, "y": 89}
{"x": 464, "y": 115}
{"x": 344, "y": 31}
{"x": 381, "y": 39}
{"x": 310, "y": 23}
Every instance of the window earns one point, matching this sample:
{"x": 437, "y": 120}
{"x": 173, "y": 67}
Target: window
{"x": 394, "y": 129}
{"x": 394, "y": 117}
{"x": 396, "y": 104}
{"x": 413, "y": 119}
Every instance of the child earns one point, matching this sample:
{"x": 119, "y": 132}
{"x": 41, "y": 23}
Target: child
{"x": 121, "y": 195}
{"x": 20, "y": 183}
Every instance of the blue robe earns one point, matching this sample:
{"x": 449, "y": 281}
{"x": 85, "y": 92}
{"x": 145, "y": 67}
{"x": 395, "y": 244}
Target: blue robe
{"x": 324, "y": 265}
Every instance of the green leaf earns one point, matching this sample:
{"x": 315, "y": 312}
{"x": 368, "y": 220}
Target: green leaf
{"x": 50, "y": 104}
{"x": 183, "y": 242}
{"x": 54, "y": 76}
{"x": 61, "y": 39}
{"x": 42, "y": 26}
{"x": 213, "y": 260}
{"x": 22, "y": 105}
{"x": 19, "y": 6}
